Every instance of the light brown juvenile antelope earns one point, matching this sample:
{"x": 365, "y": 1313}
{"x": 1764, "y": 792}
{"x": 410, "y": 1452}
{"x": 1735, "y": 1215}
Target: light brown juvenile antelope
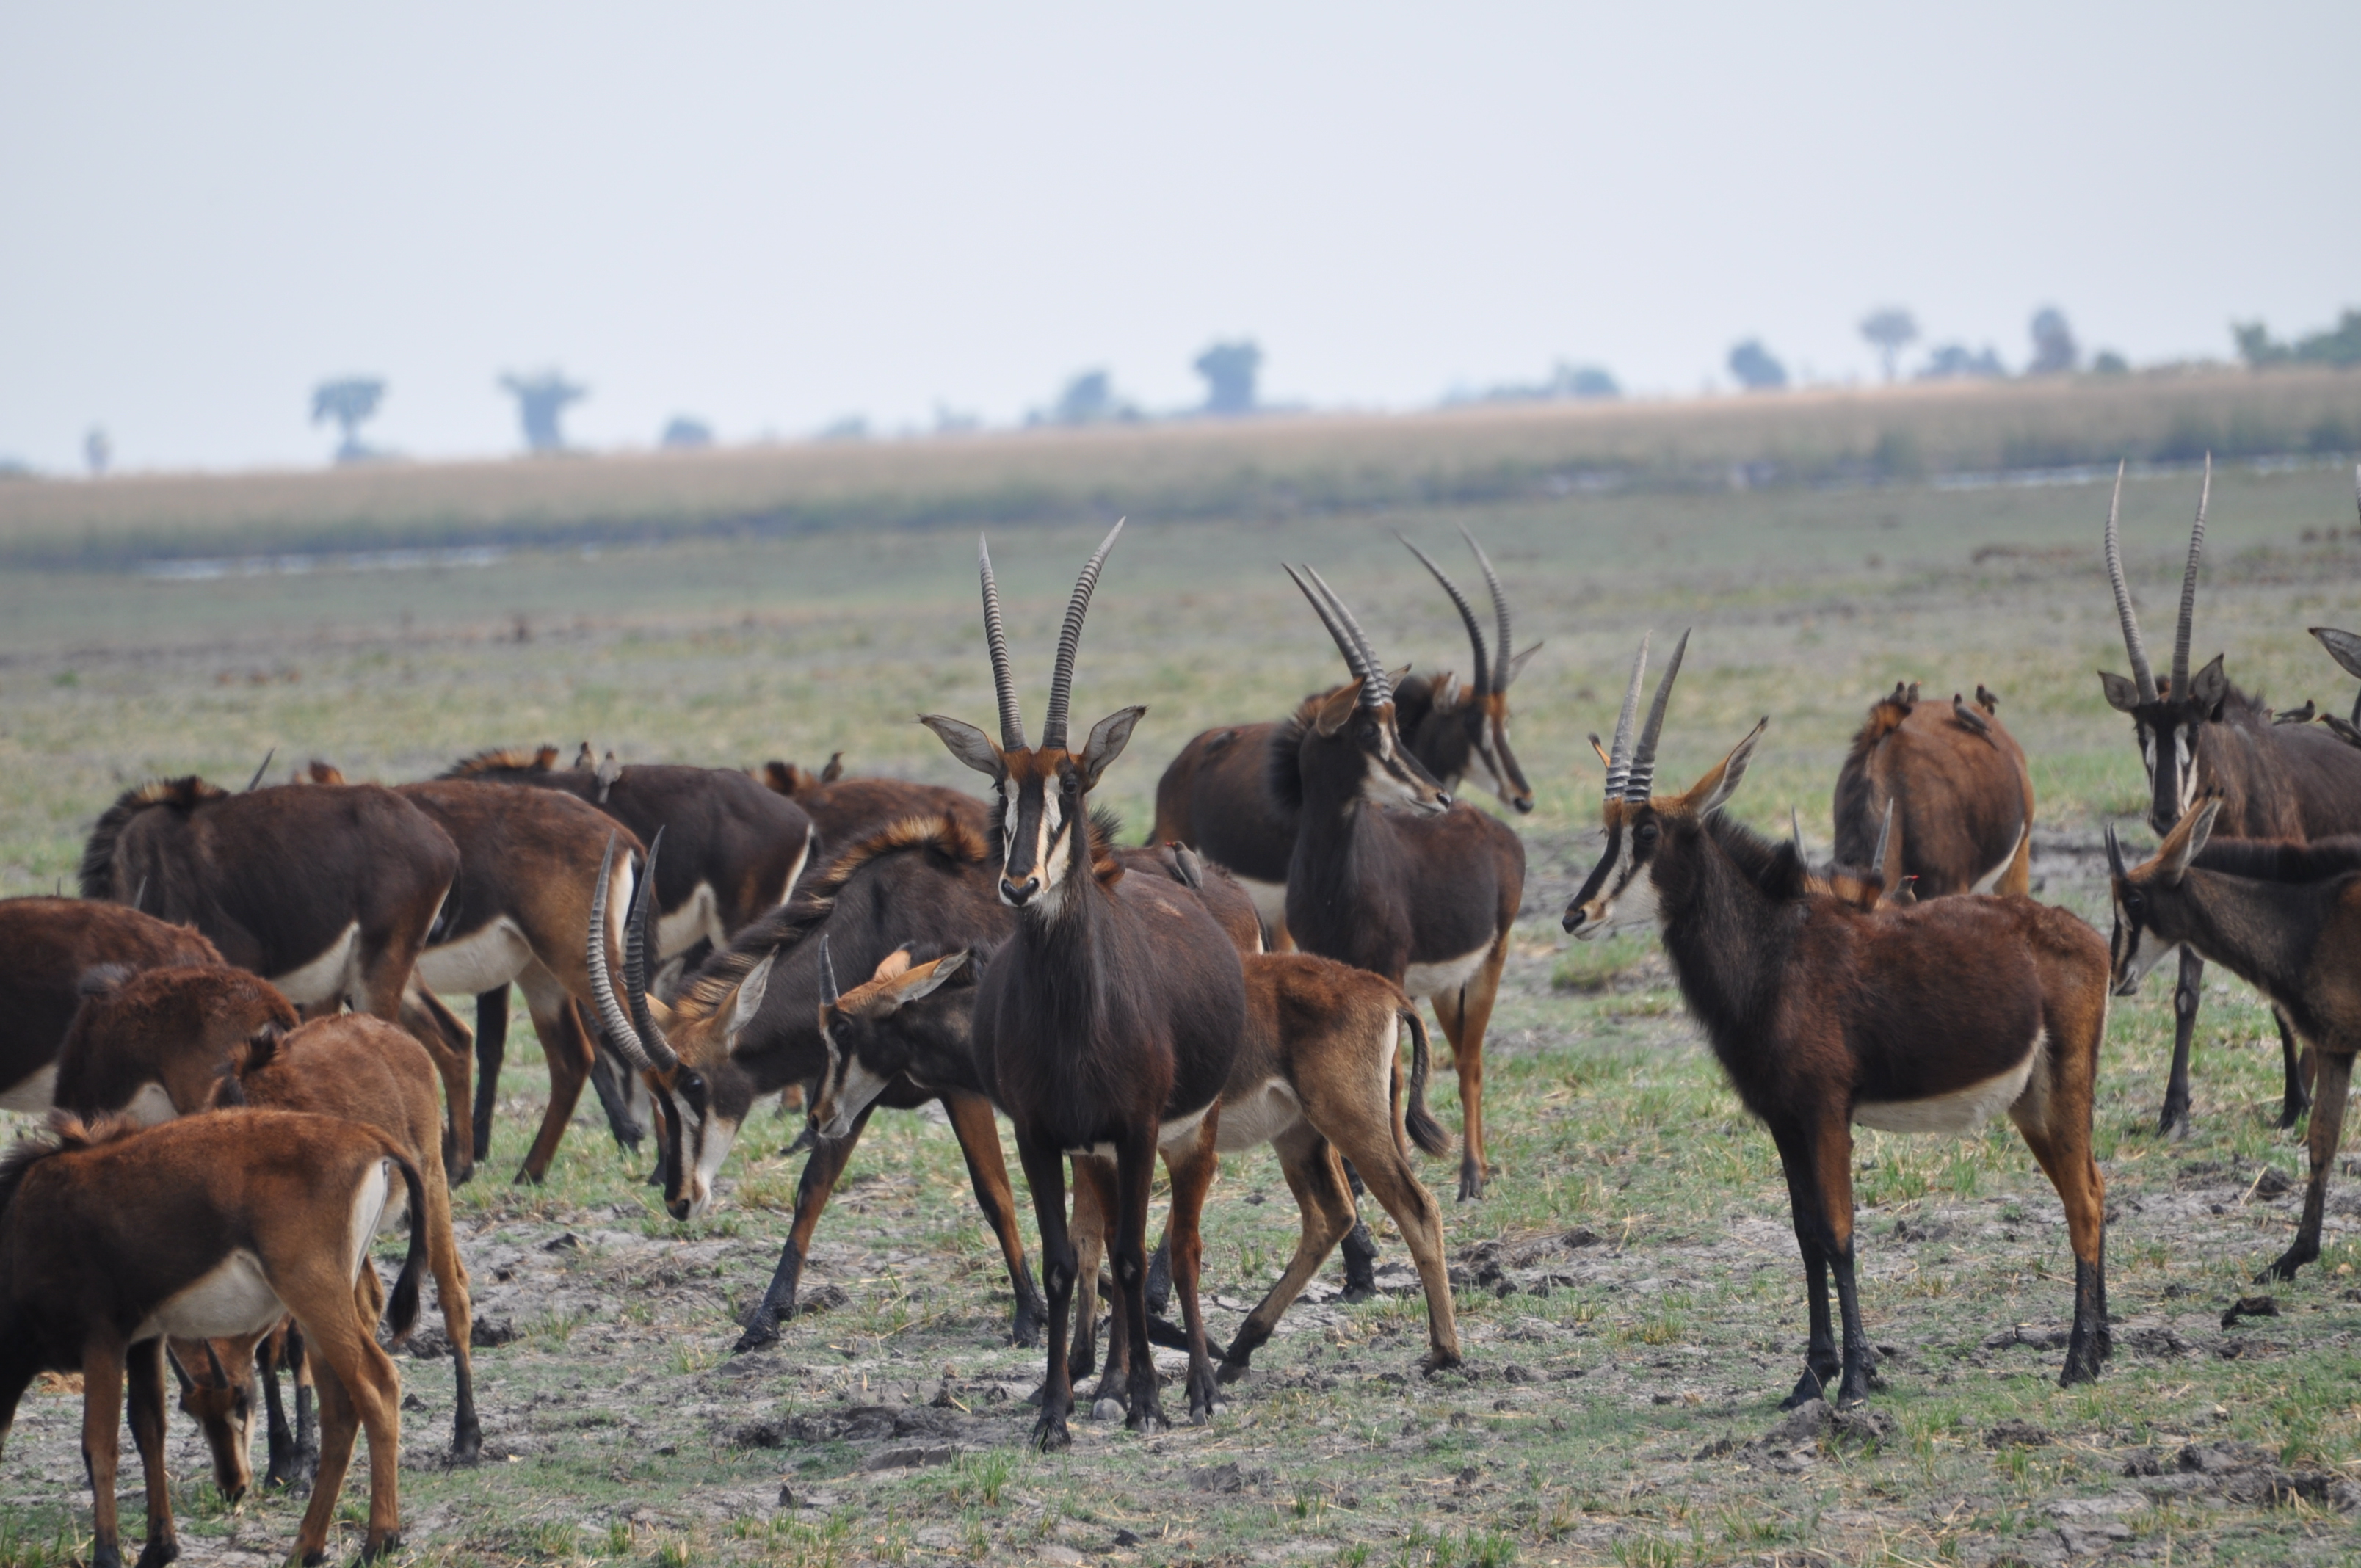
{"x": 1926, "y": 1018}
{"x": 1946, "y": 782}
{"x": 2283, "y": 917}
{"x": 210, "y": 1227}
{"x": 47, "y": 944}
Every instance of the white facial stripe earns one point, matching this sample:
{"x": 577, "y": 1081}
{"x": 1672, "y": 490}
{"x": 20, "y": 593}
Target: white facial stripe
{"x": 852, "y": 1096}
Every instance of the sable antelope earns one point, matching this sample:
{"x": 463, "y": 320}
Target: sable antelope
{"x": 206, "y": 1228}
{"x": 1952, "y": 782}
{"x": 2202, "y": 737}
{"x": 172, "y": 1042}
{"x": 47, "y": 944}
{"x": 1217, "y": 795}
{"x": 1107, "y": 1022}
{"x": 1317, "y": 1074}
{"x": 844, "y": 811}
{"x": 1928, "y": 1018}
{"x": 737, "y": 851}
{"x": 1388, "y": 874}
{"x": 329, "y": 894}
{"x": 2285, "y": 917}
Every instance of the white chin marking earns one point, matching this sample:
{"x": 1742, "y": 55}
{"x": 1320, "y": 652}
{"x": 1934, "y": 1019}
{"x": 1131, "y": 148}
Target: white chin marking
{"x": 860, "y": 1086}
{"x": 1963, "y": 1110}
{"x": 329, "y": 978}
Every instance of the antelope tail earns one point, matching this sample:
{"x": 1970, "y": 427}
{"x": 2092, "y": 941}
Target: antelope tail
{"x": 1424, "y": 1130}
{"x": 402, "y": 1309}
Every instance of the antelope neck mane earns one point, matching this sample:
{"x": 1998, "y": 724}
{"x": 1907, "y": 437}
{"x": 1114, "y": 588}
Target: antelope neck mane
{"x": 507, "y": 759}
{"x": 1771, "y": 865}
{"x": 180, "y": 794}
{"x": 2281, "y": 860}
{"x": 1283, "y": 763}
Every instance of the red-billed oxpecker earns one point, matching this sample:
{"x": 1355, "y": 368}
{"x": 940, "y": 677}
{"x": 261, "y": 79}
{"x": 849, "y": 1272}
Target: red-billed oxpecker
{"x": 2200, "y": 737}
{"x": 2283, "y": 917}
{"x": 1926, "y": 1018}
{"x": 1107, "y": 1022}
{"x": 1387, "y": 873}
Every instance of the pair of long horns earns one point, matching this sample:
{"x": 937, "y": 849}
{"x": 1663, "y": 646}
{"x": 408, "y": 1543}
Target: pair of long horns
{"x": 1069, "y": 642}
{"x": 218, "y": 1375}
{"x": 1492, "y": 672}
{"x": 1631, "y": 767}
{"x": 2143, "y": 676}
{"x": 635, "y": 1033}
{"x": 1376, "y": 690}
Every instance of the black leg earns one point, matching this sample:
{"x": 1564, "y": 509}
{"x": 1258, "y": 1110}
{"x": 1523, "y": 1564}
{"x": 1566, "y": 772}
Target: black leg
{"x": 1160, "y": 1277}
{"x": 281, "y": 1440}
{"x": 822, "y": 1172}
{"x": 1860, "y": 1365}
{"x": 2327, "y": 1130}
{"x": 1360, "y": 1248}
{"x": 2086, "y": 1346}
{"x": 2173, "y": 1121}
{"x": 1821, "y": 1362}
{"x": 491, "y": 1050}
{"x": 1045, "y": 1173}
{"x": 2295, "y": 1097}
{"x": 1136, "y": 1179}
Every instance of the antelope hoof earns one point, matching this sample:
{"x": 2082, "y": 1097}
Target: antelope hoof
{"x": 1436, "y": 1361}
{"x": 105, "y": 1555}
{"x": 381, "y": 1546}
{"x": 1230, "y": 1372}
{"x": 1471, "y": 1182}
{"x": 2293, "y": 1110}
{"x": 467, "y": 1448}
{"x": 1024, "y": 1329}
{"x": 156, "y": 1553}
{"x": 1049, "y": 1433}
{"x": 2283, "y": 1266}
{"x": 526, "y": 1177}
{"x": 2173, "y": 1121}
{"x": 2082, "y": 1366}
{"x": 1148, "y": 1420}
{"x": 1808, "y": 1387}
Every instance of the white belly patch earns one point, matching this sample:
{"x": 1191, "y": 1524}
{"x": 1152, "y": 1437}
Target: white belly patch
{"x": 699, "y": 917}
{"x": 1257, "y": 1117}
{"x": 326, "y": 979}
{"x": 484, "y": 960}
{"x": 232, "y": 1298}
{"x": 1269, "y": 899}
{"x": 1963, "y": 1110}
{"x": 1991, "y": 878}
{"x": 1443, "y": 978}
{"x": 1178, "y": 1131}
{"x": 36, "y": 1092}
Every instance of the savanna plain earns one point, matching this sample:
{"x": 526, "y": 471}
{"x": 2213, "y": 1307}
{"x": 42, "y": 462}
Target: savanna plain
{"x": 1629, "y": 1289}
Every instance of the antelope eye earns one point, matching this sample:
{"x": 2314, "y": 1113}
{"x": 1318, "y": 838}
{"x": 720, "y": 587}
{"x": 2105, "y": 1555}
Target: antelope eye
{"x": 1646, "y": 832}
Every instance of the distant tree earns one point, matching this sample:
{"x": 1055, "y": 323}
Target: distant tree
{"x": 851, "y": 427}
{"x": 686, "y": 435}
{"x": 1756, "y": 370}
{"x": 2055, "y": 352}
{"x": 1583, "y": 381}
{"x": 2107, "y": 362}
{"x": 1958, "y": 362}
{"x": 1088, "y": 399}
{"x": 97, "y": 452}
{"x": 541, "y": 401}
{"x": 2255, "y": 346}
{"x": 349, "y": 402}
{"x": 1229, "y": 369}
{"x": 1891, "y": 331}
{"x": 2339, "y": 345}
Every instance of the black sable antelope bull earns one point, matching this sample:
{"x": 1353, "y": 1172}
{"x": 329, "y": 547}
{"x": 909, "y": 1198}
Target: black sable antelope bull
{"x": 1928, "y": 1018}
{"x": 1217, "y": 795}
{"x": 737, "y": 851}
{"x": 176, "y": 1042}
{"x": 1948, "y": 785}
{"x": 1388, "y": 874}
{"x": 2286, "y": 918}
{"x": 211, "y": 1227}
{"x": 1108, "y": 1020}
{"x": 47, "y": 944}
{"x": 2200, "y": 737}
{"x": 330, "y": 895}
{"x": 1317, "y": 1074}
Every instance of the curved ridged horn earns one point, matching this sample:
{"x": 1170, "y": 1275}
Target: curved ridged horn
{"x": 1376, "y": 688}
{"x": 1069, "y": 642}
{"x": 827, "y": 987}
{"x": 1466, "y": 614}
{"x": 995, "y": 637}
{"x": 636, "y": 923}
{"x": 2143, "y": 677}
{"x": 1328, "y": 618}
{"x": 1884, "y": 836}
{"x": 2180, "y": 633}
{"x": 1500, "y": 611}
{"x": 256, "y": 779}
{"x": 1619, "y": 756}
{"x": 2115, "y": 853}
{"x": 602, "y": 984}
{"x": 1643, "y": 755}
{"x": 1796, "y": 831}
{"x": 219, "y": 1373}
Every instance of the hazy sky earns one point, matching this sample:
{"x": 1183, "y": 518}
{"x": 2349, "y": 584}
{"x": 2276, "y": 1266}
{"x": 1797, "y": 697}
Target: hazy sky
{"x": 770, "y": 216}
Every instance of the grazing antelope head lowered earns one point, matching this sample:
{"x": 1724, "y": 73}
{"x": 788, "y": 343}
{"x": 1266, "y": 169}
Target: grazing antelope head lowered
{"x": 1352, "y": 730}
{"x": 872, "y": 1041}
{"x": 2167, "y": 718}
{"x": 702, "y": 1096}
{"x": 1482, "y": 707}
{"x": 2148, "y": 926}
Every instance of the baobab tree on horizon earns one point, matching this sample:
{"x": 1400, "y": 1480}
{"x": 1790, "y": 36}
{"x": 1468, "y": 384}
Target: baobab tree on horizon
{"x": 1891, "y": 330}
{"x": 349, "y": 402}
{"x": 541, "y": 402}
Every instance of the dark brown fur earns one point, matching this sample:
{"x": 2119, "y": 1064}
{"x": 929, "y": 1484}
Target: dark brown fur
{"x": 1962, "y": 798}
{"x": 47, "y": 947}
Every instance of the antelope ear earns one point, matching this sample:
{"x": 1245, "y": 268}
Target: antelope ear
{"x": 2343, "y": 646}
{"x": 1517, "y": 664}
{"x": 1710, "y": 792}
{"x": 2208, "y": 686}
{"x": 969, "y": 744}
{"x": 2122, "y": 695}
{"x": 780, "y": 776}
{"x": 2187, "y": 837}
{"x": 750, "y": 992}
{"x": 926, "y": 979}
{"x": 1337, "y": 709}
{"x": 1109, "y": 736}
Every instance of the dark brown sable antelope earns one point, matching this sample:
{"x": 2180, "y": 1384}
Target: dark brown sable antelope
{"x": 528, "y": 867}
{"x": 1388, "y": 874}
{"x": 207, "y": 1228}
{"x": 1217, "y": 795}
{"x": 47, "y": 944}
{"x": 2283, "y": 917}
{"x": 844, "y": 811}
{"x": 1107, "y": 1022}
{"x": 331, "y": 895}
{"x": 2202, "y": 737}
{"x": 1926, "y": 1018}
{"x": 1954, "y": 782}
{"x": 1317, "y": 1074}
{"x": 173, "y": 1042}
{"x": 737, "y": 851}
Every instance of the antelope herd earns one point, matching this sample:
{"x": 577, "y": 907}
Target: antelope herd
{"x": 238, "y": 1034}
